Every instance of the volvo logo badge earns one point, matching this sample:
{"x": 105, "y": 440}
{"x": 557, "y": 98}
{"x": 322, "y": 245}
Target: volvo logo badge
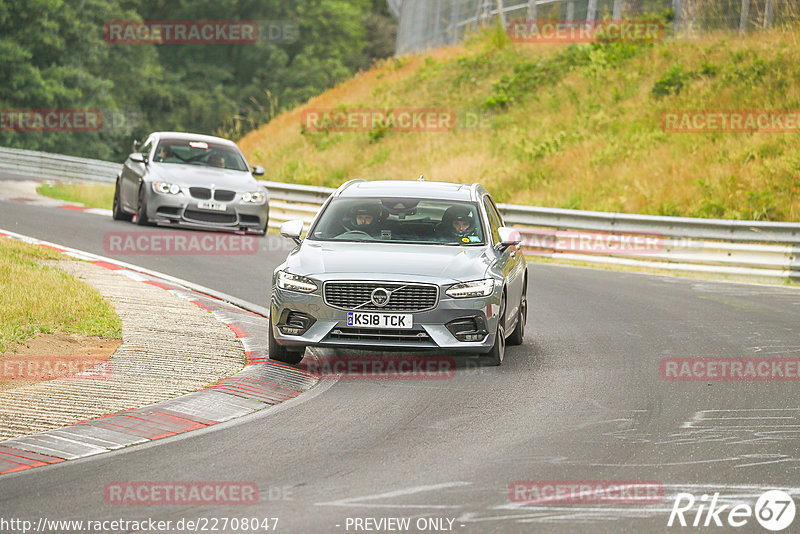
{"x": 380, "y": 297}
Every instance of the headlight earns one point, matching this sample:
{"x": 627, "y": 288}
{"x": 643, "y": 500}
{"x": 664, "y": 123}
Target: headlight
{"x": 254, "y": 198}
{"x": 166, "y": 188}
{"x": 292, "y": 282}
{"x": 479, "y": 288}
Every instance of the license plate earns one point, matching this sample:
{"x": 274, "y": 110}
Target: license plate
{"x": 213, "y": 206}
{"x": 380, "y": 320}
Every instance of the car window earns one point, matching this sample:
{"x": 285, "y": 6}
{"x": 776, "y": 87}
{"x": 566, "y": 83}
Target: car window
{"x": 186, "y": 152}
{"x": 400, "y": 220}
{"x": 496, "y": 211}
{"x": 494, "y": 219}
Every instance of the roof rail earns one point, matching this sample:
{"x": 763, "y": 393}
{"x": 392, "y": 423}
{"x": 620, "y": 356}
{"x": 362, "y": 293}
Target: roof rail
{"x": 346, "y": 185}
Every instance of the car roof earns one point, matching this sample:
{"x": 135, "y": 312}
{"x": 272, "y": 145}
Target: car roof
{"x": 183, "y": 136}
{"x": 408, "y": 188}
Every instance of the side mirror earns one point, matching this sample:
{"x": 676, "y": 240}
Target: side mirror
{"x": 508, "y": 237}
{"x": 258, "y": 170}
{"x": 138, "y": 157}
{"x": 293, "y": 230}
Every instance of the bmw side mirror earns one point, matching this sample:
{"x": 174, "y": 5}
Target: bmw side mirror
{"x": 508, "y": 237}
{"x": 258, "y": 170}
{"x": 293, "y": 230}
{"x": 138, "y": 157}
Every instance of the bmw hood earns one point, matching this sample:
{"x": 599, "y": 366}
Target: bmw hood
{"x": 200, "y": 176}
{"x": 388, "y": 261}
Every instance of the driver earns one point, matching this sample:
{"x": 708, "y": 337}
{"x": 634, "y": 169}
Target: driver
{"x": 164, "y": 153}
{"x": 217, "y": 160}
{"x": 366, "y": 218}
{"x": 457, "y": 223}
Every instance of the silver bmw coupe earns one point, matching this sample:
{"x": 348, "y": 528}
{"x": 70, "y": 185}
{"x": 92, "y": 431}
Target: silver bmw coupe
{"x": 198, "y": 181}
{"x": 401, "y": 265}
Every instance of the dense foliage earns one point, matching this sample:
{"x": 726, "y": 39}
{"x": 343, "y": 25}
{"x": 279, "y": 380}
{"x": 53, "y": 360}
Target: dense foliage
{"x": 54, "y": 56}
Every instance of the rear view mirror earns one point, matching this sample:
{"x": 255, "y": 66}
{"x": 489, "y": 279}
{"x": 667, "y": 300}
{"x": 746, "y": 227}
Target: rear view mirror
{"x": 137, "y": 158}
{"x": 258, "y": 170}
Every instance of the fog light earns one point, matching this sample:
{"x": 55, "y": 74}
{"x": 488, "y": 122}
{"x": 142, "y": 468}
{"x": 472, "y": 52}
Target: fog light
{"x": 295, "y": 323}
{"x": 468, "y": 329}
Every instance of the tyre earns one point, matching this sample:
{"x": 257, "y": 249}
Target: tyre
{"x": 280, "y": 353}
{"x": 141, "y": 209}
{"x": 495, "y": 356}
{"x": 116, "y": 211}
{"x": 518, "y": 334}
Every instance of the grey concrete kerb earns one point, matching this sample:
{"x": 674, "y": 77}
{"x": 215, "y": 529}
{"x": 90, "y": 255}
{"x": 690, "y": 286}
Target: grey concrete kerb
{"x": 177, "y": 340}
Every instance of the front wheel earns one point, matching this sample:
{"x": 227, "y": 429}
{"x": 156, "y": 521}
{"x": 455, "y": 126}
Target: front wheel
{"x": 141, "y": 209}
{"x": 495, "y": 356}
{"x": 518, "y": 334}
{"x": 279, "y": 352}
{"x": 116, "y": 211}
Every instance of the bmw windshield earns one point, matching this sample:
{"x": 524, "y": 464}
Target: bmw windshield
{"x": 199, "y": 153}
{"x": 400, "y": 220}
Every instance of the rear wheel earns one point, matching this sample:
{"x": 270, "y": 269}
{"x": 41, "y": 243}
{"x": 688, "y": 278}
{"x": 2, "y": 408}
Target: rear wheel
{"x": 141, "y": 209}
{"x": 518, "y": 334}
{"x": 116, "y": 211}
{"x": 495, "y": 356}
{"x": 280, "y": 353}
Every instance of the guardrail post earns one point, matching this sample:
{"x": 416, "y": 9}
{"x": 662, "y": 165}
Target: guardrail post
{"x": 744, "y": 18}
{"x": 616, "y": 13}
{"x": 501, "y": 12}
{"x": 591, "y": 11}
{"x": 769, "y": 14}
{"x": 677, "y": 14}
{"x": 533, "y": 9}
{"x": 570, "y": 11}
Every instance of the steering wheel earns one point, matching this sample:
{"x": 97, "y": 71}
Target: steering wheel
{"x": 353, "y": 233}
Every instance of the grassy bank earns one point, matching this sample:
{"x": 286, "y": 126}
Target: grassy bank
{"x": 36, "y": 299}
{"x": 569, "y": 126}
{"x": 90, "y": 195}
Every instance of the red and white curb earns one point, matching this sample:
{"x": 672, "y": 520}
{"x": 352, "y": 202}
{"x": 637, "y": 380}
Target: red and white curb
{"x": 261, "y": 384}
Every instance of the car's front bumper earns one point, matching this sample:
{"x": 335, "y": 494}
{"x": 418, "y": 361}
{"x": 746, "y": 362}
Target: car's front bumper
{"x": 180, "y": 210}
{"x": 430, "y": 332}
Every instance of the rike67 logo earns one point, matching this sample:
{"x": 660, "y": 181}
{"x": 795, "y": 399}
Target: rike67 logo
{"x": 774, "y": 511}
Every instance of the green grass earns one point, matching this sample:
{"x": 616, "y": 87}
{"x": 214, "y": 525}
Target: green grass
{"x": 37, "y": 299}
{"x": 90, "y": 195}
{"x": 570, "y": 126}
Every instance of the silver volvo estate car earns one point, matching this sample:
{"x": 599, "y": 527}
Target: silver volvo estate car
{"x": 401, "y": 265}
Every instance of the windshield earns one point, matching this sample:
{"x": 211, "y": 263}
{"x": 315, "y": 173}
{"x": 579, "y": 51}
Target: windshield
{"x": 400, "y": 220}
{"x": 199, "y": 153}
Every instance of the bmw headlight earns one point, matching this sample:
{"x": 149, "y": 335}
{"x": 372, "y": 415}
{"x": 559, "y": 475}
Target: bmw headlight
{"x": 256, "y": 197}
{"x": 166, "y": 188}
{"x": 293, "y": 282}
{"x": 479, "y": 288}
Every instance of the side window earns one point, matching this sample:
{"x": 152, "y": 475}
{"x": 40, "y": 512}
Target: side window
{"x": 494, "y": 222}
{"x": 496, "y": 211}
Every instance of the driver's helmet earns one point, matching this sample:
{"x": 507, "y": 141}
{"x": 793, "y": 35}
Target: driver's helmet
{"x": 458, "y": 221}
{"x": 365, "y": 217}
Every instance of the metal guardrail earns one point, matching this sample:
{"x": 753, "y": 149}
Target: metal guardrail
{"x": 757, "y": 250}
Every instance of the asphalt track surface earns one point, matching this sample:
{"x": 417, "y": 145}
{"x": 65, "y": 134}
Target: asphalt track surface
{"x": 582, "y": 399}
